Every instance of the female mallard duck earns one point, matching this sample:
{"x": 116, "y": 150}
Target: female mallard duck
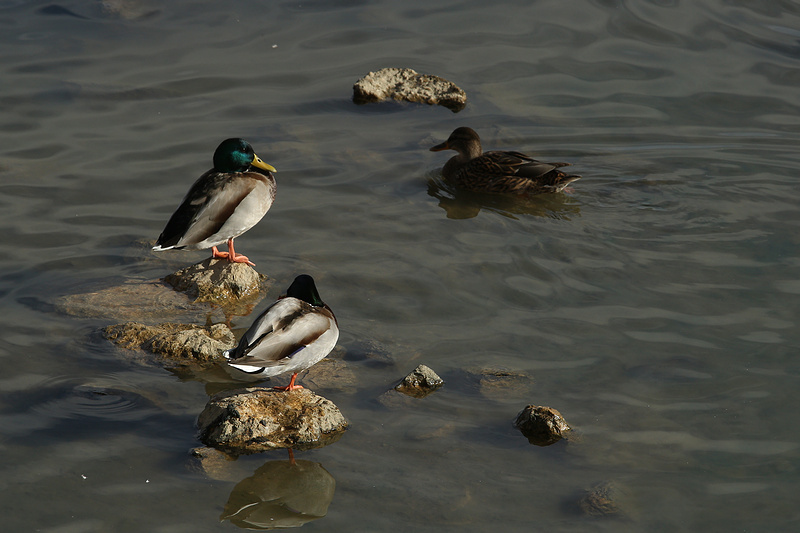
{"x": 498, "y": 172}
{"x": 293, "y": 334}
{"x": 222, "y": 204}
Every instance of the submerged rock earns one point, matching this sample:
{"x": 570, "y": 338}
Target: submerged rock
{"x": 331, "y": 374}
{"x": 175, "y": 343}
{"x": 406, "y": 84}
{"x": 606, "y": 498}
{"x": 214, "y": 464}
{"x": 256, "y": 419}
{"x": 218, "y": 281}
{"x": 420, "y": 382}
{"x": 542, "y": 426}
{"x": 500, "y": 383}
{"x": 134, "y": 300}
{"x": 234, "y": 288}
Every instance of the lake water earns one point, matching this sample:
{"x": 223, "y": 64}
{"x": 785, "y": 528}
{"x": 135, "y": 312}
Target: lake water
{"x": 656, "y": 306}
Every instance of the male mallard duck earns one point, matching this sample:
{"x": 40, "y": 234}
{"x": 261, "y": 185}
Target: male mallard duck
{"x": 222, "y": 204}
{"x": 293, "y": 334}
{"x": 498, "y": 172}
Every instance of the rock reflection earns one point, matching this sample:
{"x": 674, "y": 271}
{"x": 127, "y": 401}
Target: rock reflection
{"x": 281, "y": 494}
{"x": 460, "y": 204}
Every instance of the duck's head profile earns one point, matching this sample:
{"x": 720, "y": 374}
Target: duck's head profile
{"x": 463, "y": 140}
{"x": 236, "y": 155}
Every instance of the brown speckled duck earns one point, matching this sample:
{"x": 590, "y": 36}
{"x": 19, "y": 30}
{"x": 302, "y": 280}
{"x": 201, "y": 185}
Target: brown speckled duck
{"x": 498, "y": 171}
{"x": 222, "y": 204}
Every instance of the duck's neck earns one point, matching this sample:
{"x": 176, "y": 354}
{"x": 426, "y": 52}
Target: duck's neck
{"x": 471, "y": 151}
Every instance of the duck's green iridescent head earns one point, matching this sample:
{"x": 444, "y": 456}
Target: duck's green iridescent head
{"x": 236, "y": 155}
{"x": 303, "y": 288}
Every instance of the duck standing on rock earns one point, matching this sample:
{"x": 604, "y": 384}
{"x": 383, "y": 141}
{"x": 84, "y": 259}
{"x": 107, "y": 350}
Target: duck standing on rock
{"x": 498, "y": 171}
{"x": 293, "y": 334}
{"x": 223, "y": 203}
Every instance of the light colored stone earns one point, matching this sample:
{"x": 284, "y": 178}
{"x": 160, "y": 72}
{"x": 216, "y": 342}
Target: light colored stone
{"x": 420, "y": 382}
{"x": 406, "y": 84}
{"x": 254, "y": 420}
{"x": 218, "y": 281}
{"x": 174, "y": 343}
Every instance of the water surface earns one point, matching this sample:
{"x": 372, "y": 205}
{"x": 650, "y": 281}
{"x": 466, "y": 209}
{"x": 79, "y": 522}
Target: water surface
{"x": 655, "y": 306}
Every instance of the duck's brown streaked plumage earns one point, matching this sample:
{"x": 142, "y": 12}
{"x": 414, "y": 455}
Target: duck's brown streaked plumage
{"x": 223, "y": 203}
{"x": 498, "y": 171}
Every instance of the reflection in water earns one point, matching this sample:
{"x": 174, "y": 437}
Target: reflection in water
{"x": 459, "y": 203}
{"x": 281, "y": 494}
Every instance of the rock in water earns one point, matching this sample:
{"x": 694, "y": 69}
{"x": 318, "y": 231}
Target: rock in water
{"x": 176, "y": 344}
{"x": 542, "y": 426}
{"x": 406, "y": 84}
{"x": 420, "y": 382}
{"x": 218, "y": 281}
{"x": 258, "y": 419}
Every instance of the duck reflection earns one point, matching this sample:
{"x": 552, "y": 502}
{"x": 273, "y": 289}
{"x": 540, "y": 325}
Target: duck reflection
{"x": 460, "y": 203}
{"x": 281, "y": 494}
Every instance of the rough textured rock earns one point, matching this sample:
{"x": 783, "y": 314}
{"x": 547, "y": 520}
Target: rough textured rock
{"x": 541, "y": 425}
{"x": 606, "y": 498}
{"x": 280, "y": 494}
{"x": 406, "y": 84}
{"x": 255, "y": 420}
{"x": 174, "y": 343}
{"x": 420, "y": 382}
{"x": 218, "y": 281}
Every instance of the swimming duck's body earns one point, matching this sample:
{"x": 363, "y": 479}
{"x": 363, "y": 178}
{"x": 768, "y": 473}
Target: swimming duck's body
{"x": 498, "y": 171}
{"x": 222, "y": 204}
{"x": 293, "y": 334}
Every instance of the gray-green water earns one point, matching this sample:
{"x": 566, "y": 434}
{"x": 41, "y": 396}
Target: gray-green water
{"x": 656, "y": 307}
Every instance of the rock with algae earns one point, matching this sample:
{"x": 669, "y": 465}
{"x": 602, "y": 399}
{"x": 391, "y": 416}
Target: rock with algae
{"x": 176, "y": 344}
{"x": 256, "y": 419}
{"x": 406, "y": 84}
{"x": 542, "y": 425}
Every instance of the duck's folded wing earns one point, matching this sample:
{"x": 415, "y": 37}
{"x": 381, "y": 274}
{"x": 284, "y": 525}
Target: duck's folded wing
{"x": 278, "y": 337}
{"x": 208, "y": 204}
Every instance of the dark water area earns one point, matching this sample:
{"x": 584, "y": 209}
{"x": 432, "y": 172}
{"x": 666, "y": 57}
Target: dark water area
{"x": 655, "y": 306}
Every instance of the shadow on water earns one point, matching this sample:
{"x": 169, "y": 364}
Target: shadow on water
{"x": 461, "y": 204}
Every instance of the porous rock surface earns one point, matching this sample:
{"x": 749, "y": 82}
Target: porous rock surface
{"x": 407, "y": 84}
{"x": 174, "y": 343}
{"x": 256, "y": 419}
{"x": 217, "y": 281}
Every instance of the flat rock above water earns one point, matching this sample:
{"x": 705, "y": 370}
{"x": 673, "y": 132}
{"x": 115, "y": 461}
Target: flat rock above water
{"x": 174, "y": 344}
{"x": 408, "y": 85}
{"x": 255, "y": 419}
{"x": 234, "y": 288}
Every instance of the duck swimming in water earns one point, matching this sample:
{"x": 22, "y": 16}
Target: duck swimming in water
{"x": 222, "y": 204}
{"x": 498, "y": 171}
{"x": 293, "y": 334}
